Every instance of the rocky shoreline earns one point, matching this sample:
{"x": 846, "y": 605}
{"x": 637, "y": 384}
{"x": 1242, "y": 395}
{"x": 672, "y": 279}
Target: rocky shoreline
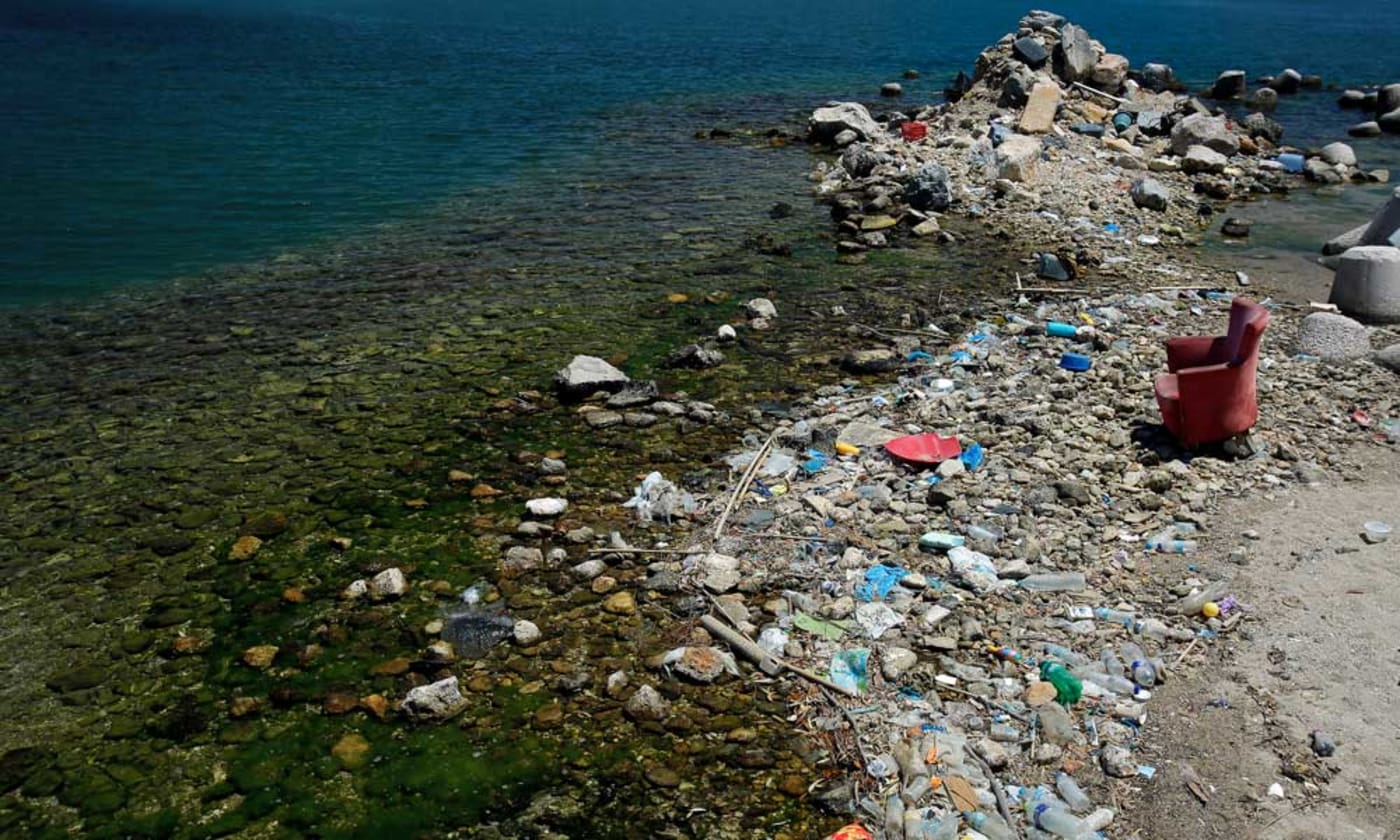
{"x": 380, "y": 580}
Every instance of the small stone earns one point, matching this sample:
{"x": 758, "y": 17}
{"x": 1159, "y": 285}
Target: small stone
{"x": 260, "y": 656}
{"x": 240, "y": 707}
{"x": 1322, "y": 744}
{"x": 395, "y": 667}
{"x": 1039, "y": 694}
{"x": 526, "y": 633}
{"x": 484, "y": 491}
{"x": 352, "y": 751}
{"x": 663, "y": 777}
{"x": 647, "y": 704}
{"x": 389, "y": 583}
{"x": 702, "y": 664}
{"x": 244, "y": 548}
{"x": 761, "y": 308}
{"x": 896, "y": 661}
{"x": 621, "y": 603}
{"x": 547, "y": 507}
{"x": 1118, "y": 762}
{"x": 376, "y": 705}
{"x": 339, "y": 703}
{"x": 436, "y": 701}
{"x": 726, "y": 333}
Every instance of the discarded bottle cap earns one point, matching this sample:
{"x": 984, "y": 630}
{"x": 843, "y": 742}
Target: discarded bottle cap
{"x": 1076, "y": 362}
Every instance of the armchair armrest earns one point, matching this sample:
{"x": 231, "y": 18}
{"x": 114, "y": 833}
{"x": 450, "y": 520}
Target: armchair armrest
{"x": 1195, "y": 351}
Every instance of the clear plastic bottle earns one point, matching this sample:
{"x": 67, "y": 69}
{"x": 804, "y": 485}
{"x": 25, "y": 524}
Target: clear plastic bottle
{"x": 1100, "y": 819}
{"x": 1048, "y": 814}
{"x": 1112, "y": 665}
{"x": 1117, "y": 685}
{"x": 1155, "y": 629}
{"x": 894, "y": 816}
{"x": 1143, "y": 673}
{"x": 1055, "y": 582}
{"x": 1064, "y": 654}
{"x": 916, "y": 789}
{"x": 992, "y": 826}
{"x": 1171, "y": 546}
{"x": 1123, "y": 617}
{"x": 1071, "y": 793}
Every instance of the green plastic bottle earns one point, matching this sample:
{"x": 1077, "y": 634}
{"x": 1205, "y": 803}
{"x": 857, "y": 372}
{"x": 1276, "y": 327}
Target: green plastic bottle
{"x": 1068, "y": 688}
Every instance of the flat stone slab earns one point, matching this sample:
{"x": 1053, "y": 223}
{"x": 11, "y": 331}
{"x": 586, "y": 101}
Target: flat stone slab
{"x": 1039, "y": 115}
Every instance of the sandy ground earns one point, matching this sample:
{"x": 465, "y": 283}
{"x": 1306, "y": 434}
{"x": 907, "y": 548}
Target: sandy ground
{"x": 1320, "y": 652}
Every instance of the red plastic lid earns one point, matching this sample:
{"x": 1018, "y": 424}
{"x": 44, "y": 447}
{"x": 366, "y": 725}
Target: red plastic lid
{"x": 927, "y": 448}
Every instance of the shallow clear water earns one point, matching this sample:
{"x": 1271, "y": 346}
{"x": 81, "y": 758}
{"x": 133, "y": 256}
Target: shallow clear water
{"x": 148, "y": 140}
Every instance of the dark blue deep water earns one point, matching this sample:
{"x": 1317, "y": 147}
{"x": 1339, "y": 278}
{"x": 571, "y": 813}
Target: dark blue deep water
{"x": 144, "y": 140}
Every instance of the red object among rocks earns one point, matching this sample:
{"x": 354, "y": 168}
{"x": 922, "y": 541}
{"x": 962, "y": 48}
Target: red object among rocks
{"x": 1209, "y": 394}
{"x": 913, "y": 131}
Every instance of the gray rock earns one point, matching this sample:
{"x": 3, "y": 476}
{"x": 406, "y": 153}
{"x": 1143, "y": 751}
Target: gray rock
{"x": 693, "y": 356}
{"x": 1383, "y": 228}
{"x": 1333, "y": 338}
{"x": 635, "y": 393}
{"x": 835, "y": 117}
{"x": 1262, "y": 125}
{"x": 520, "y": 558}
{"x": 864, "y": 434}
{"x": 877, "y": 360}
{"x": 546, "y": 507}
{"x": 1051, "y": 267}
{"x": 929, "y": 190}
{"x": 896, "y": 661}
{"x": 719, "y": 572}
{"x": 1370, "y": 128}
{"x": 1109, "y": 73}
{"x": 1229, "y": 85}
{"x": 1390, "y": 357}
{"x": 860, "y": 160}
{"x": 1075, "y": 55}
{"x": 1236, "y": 227}
{"x": 1338, "y": 154}
{"x": 603, "y": 419}
{"x": 587, "y": 374}
{"x": 1322, "y": 744}
{"x": 389, "y": 583}
{"x": 1264, "y": 99}
{"x": 1150, "y": 122}
{"x": 647, "y": 704}
{"x": 761, "y": 308}
{"x": 844, "y": 138}
{"x": 891, "y": 89}
{"x": 1150, "y": 193}
{"x": 1367, "y": 284}
{"x": 1030, "y": 51}
{"x": 1287, "y": 82}
{"x": 1158, "y": 77}
{"x": 1342, "y": 242}
{"x": 434, "y": 702}
{"x": 1203, "y": 159}
{"x": 1389, "y": 121}
{"x": 1039, "y": 19}
{"x": 1351, "y": 99}
{"x": 1316, "y": 169}
{"x": 1388, "y": 98}
{"x": 526, "y": 633}
{"x": 1017, "y": 88}
{"x": 1056, "y": 725}
{"x": 1118, "y": 762}
{"x": 1201, "y": 130}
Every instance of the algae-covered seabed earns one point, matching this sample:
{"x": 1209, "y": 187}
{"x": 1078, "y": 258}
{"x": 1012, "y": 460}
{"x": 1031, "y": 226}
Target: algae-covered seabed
{"x": 329, "y": 395}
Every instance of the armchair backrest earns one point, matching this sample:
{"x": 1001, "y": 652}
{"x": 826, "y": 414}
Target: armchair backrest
{"x": 1247, "y": 322}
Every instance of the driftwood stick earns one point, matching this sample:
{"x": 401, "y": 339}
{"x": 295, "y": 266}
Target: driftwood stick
{"x": 644, "y": 551}
{"x": 743, "y": 485}
{"x": 1110, "y": 97}
{"x": 997, "y": 789}
{"x": 766, "y": 663}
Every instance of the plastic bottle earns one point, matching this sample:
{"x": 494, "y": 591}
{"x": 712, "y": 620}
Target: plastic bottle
{"x": 1050, "y": 815}
{"x": 1064, "y": 654}
{"x": 1054, "y": 582}
{"x": 992, "y": 826}
{"x": 1143, "y": 673}
{"x": 894, "y": 816}
{"x": 1171, "y": 546}
{"x": 1154, "y": 629}
{"x": 1112, "y": 665}
{"x": 1117, "y": 685}
{"x": 1071, "y": 793}
{"x": 1059, "y": 329}
{"x": 1123, "y": 617}
{"x": 1193, "y": 603}
{"x": 1068, "y": 689}
{"x": 916, "y": 789}
{"x": 1100, "y": 819}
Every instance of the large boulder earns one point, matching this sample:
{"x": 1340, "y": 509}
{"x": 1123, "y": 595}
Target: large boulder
{"x": 1322, "y": 172}
{"x": 929, "y": 189}
{"x": 1203, "y": 159}
{"x": 1030, "y": 51}
{"x": 1039, "y": 114}
{"x": 1369, "y": 128}
{"x": 586, "y": 375}
{"x": 1201, "y": 130}
{"x": 1367, "y": 284}
{"x": 1110, "y": 72}
{"x": 835, "y": 117}
{"x": 1261, "y": 125}
{"x": 1158, "y": 77}
{"x": 1390, "y": 121}
{"x": 1333, "y": 338}
{"x": 1263, "y": 99}
{"x": 1351, "y": 98}
{"x": 1150, "y": 193}
{"x": 1388, "y": 99}
{"x": 1229, "y": 85}
{"x": 1075, "y": 55}
{"x": 1017, "y": 157}
{"x": 860, "y": 160}
{"x": 1338, "y": 154}
{"x": 1287, "y": 82}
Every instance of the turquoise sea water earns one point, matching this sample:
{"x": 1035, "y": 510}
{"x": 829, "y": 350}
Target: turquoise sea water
{"x": 142, "y": 141}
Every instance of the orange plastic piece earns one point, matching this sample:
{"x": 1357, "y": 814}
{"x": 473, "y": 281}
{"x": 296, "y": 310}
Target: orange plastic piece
{"x": 854, "y": 831}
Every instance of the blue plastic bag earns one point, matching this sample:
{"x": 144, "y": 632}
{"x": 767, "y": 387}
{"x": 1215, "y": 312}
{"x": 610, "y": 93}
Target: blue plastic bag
{"x": 850, "y": 669}
{"x": 879, "y": 580}
{"x": 973, "y": 456}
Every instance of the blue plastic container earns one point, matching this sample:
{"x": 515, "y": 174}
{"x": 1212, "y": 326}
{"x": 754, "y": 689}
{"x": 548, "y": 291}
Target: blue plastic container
{"x": 1291, "y": 162}
{"x": 1076, "y": 362}
{"x": 1060, "y": 329}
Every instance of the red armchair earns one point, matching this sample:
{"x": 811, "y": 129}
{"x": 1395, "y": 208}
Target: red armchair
{"x": 1209, "y": 394}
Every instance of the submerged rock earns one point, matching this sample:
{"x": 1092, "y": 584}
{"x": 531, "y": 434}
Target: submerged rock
{"x": 473, "y": 632}
{"x": 586, "y": 375}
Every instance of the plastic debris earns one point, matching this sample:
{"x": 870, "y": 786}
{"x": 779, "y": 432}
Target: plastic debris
{"x": 849, "y": 669}
{"x": 879, "y": 580}
{"x": 827, "y": 629}
{"x": 655, "y": 498}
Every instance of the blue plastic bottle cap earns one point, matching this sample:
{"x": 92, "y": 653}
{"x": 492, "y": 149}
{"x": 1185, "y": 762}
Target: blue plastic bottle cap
{"x": 1076, "y": 362}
